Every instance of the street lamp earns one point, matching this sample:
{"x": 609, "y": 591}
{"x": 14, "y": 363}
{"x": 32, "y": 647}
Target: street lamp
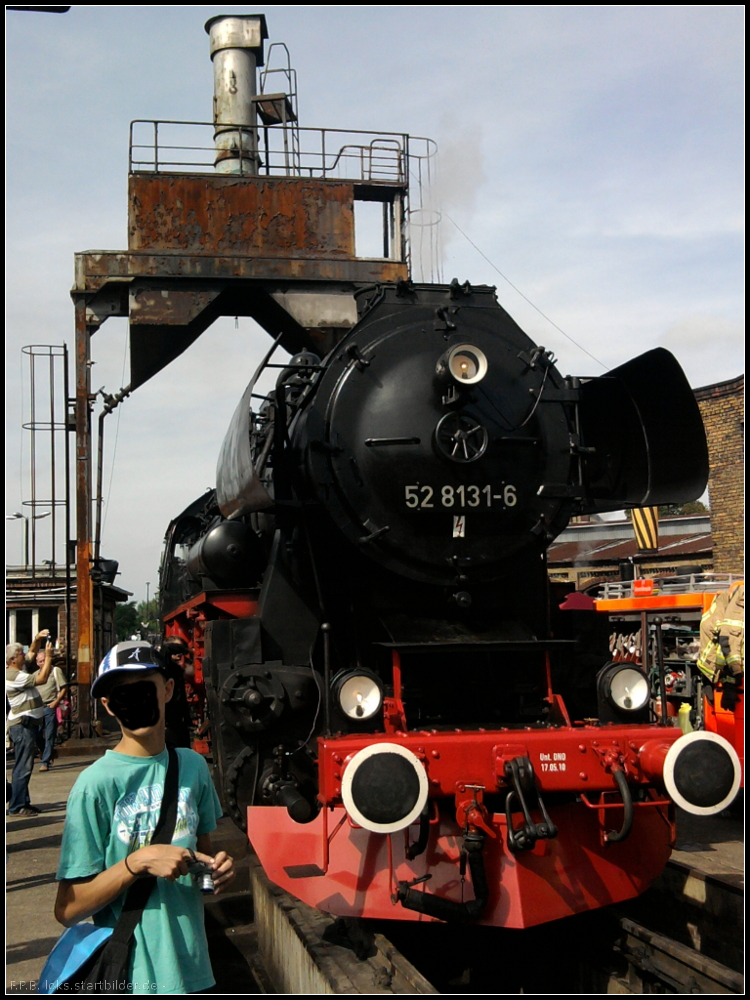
{"x": 26, "y": 519}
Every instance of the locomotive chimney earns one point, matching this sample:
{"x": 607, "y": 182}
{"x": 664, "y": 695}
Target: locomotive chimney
{"x": 236, "y": 52}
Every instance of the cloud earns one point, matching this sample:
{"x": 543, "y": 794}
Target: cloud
{"x": 710, "y": 348}
{"x": 714, "y": 332}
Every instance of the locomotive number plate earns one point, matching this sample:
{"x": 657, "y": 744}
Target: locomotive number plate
{"x": 461, "y": 497}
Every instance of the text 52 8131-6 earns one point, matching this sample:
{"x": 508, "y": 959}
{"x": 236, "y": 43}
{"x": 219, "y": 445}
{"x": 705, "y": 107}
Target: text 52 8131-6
{"x": 426, "y": 497}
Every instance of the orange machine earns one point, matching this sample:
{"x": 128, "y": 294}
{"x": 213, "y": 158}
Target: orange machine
{"x": 680, "y": 602}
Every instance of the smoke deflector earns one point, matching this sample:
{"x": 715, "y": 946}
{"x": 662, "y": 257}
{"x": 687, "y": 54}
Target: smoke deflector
{"x": 645, "y": 427}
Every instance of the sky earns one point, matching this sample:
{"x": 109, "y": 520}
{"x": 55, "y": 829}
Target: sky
{"x": 591, "y": 166}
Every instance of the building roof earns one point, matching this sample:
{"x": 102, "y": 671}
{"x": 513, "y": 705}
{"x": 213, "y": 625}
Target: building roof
{"x": 727, "y": 388}
{"x": 614, "y": 541}
{"x": 48, "y": 587}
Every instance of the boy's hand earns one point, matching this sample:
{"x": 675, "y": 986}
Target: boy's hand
{"x": 223, "y": 867}
{"x": 166, "y": 861}
{"x": 162, "y": 860}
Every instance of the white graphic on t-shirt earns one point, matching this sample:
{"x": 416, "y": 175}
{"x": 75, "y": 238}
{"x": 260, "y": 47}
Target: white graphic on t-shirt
{"x": 136, "y": 816}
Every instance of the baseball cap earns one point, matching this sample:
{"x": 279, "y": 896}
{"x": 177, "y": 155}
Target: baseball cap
{"x": 125, "y": 659}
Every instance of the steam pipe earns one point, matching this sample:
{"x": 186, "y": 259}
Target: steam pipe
{"x": 448, "y": 909}
{"x": 420, "y": 845}
{"x": 617, "y": 836}
{"x": 325, "y": 628}
{"x": 110, "y": 403}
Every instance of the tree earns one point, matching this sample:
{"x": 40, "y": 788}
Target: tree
{"x": 126, "y": 620}
{"x": 680, "y": 509}
{"x": 148, "y": 616}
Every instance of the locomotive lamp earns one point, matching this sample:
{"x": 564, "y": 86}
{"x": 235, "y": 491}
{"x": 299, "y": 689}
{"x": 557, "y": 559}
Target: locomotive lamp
{"x": 464, "y": 363}
{"x": 359, "y": 694}
{"x": 623, "y": 691}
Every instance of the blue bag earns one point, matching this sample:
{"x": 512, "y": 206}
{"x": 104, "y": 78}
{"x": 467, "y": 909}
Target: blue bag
{"x": 74, "y": 947}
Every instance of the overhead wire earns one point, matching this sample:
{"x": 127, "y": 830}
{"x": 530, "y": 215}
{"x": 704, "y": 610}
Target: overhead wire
{"x": 524, "y": 297}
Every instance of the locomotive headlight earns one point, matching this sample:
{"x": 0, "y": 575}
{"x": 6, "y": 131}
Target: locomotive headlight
{"x": 464, "y": 363}
{"x": 359, "y": 694}
{"x": 624, "y": 686}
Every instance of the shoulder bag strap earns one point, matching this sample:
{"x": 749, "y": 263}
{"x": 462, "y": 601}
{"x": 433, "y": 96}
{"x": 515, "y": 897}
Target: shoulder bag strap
{"x": 140, "y": 891}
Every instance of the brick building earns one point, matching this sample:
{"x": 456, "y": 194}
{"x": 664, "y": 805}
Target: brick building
{"x": 41, "y": 599}
{"x": 722, "y": 406}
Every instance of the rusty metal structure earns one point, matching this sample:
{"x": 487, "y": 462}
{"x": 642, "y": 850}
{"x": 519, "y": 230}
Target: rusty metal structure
{"x": 249, "y": 215}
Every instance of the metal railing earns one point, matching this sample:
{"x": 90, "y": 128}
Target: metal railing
{"x": 332, "y": 154}
{"x": 686, "y": 584}
{"x": 288, "y": 77}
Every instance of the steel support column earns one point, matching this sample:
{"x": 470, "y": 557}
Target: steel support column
{"x": 85, "y": 594}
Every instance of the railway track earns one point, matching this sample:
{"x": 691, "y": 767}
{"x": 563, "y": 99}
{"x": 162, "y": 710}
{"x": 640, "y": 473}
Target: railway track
{"x": 591, "y": 954}
{"x": 658, "y": 964}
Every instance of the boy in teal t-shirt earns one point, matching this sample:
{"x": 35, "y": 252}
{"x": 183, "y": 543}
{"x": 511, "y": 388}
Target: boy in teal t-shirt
{"x": 111, "y": 815}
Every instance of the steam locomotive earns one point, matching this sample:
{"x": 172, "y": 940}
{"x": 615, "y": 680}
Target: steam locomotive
{"x": 405, "y": 717}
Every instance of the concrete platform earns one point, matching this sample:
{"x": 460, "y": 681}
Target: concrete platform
{"x": 713, "y": 845}
{"x": 33, "y": 850}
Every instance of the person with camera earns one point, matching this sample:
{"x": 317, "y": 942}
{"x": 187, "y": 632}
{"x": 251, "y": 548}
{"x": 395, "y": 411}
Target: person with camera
{"x": 53, "y": 691}
{"x": 25, "y": 718}
{"x": 112, "y": 815}
{"x": 36, "y": 646}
